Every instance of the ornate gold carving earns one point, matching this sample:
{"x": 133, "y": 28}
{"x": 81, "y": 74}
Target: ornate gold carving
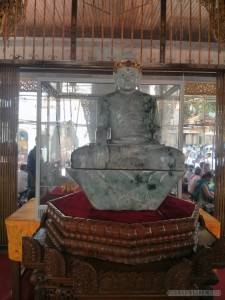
{"x": 202, "y": 262}
{"x": 31, "y": 250}
{"x": 69, "y": 187}
{"x": 28, "y": 85}
{"x": 67, "y": 276}
{"x": 196, "y": 88}
{"x": 37, "y": 277}
{"x": 216, "y": 10}
{"x": 111, "y": 240}
{"x": 12, "y": 12}
{"x": 178, "y": 277}
{"x": 131, "y": 282}
{"x": 127, "y": 63}
{"x": 54, "y": 263}
{"x": 65, "y": 294}
{"x": 85, "y": 277}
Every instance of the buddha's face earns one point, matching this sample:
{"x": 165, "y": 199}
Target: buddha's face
{"x": 127, "y": 78}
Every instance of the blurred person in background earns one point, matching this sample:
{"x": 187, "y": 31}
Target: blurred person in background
{"x": 202, "y": 194}
{"x": 193, "y": 180}
{"x": 22, "y": 177}
{"x": 31, "y": 170}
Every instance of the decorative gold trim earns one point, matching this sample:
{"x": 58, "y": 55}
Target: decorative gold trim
{"x": 216, "y": 10}
{"x": 194, "y": 88}
{"x": 12, "y": 12}
{"x": 127, "y": 63}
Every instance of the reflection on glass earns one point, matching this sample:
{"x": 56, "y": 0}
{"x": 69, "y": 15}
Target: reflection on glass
{"x": 199, "y": 130}
{"x": 68, "y": 121}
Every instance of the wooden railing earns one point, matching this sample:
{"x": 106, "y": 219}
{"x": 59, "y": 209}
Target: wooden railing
{"x": 157, "y": 31}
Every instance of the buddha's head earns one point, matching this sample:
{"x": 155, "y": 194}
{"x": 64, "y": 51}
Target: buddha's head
{"x": 127, "y": 72}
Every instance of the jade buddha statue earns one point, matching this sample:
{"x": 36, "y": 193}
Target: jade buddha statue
{"x": 127, "y": 168}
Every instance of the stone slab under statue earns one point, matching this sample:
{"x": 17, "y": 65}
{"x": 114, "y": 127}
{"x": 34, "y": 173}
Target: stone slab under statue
{"x": 127, "y": 168}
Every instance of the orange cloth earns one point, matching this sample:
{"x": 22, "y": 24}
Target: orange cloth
{"x": 21, "y": 223}
{"x": 211, "y": 223}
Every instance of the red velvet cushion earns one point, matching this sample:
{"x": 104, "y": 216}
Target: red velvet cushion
{"x": 78, "y": 205}
{"x": 173, "y": 208}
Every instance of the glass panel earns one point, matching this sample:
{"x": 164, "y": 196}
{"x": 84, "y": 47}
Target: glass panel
{"x": 170, "y": 106}
{"x": 199, "y": 130}
{"x": 168, "y": 99}
{"x": 65, "y": 126}
{"x": 68, "y": 121}
{"x": 27, "y": 125}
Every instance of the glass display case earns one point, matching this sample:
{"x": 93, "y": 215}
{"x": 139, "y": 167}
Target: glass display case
{"x": 67, "y": 120}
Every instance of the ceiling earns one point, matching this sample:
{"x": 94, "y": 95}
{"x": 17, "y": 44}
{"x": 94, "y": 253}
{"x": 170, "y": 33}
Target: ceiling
{"x": 96, "y": 31}
{"x": 134, "y": 19}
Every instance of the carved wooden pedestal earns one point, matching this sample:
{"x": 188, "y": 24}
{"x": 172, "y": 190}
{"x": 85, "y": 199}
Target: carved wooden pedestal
{"x": 66, "y": 269}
